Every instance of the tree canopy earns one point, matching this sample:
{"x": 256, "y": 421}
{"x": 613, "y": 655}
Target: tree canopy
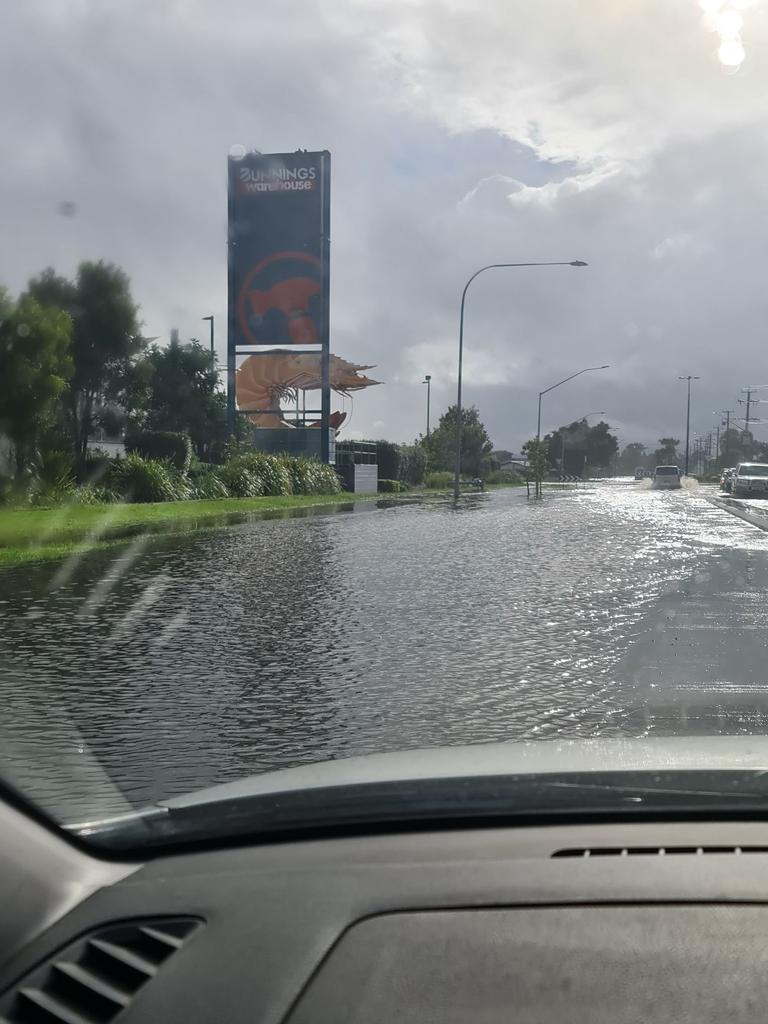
{"x": 35, "y": 364}
{"x": 633, "y": 455}
{"x": 175, "y": 388}
{"x": 583, "y": 446}
{"x": 666, "y": 453}
{"x": 476, "y": 446}
{"x": 105, "y": 340}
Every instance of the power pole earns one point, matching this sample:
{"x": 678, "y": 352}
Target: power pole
{"x": 727, "y": 452}
{"x": 746, "y": 430}
{"x": 689, "y": 378}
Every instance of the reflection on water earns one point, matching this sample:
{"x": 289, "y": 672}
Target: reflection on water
{"x": 183, "y": 661}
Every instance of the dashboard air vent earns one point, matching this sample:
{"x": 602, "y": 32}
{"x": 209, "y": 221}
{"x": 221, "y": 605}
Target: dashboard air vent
{"x": 93, "y": 979}
{"x": 655, "y": 851}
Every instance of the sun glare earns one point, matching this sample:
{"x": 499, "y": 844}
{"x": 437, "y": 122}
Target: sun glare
{"x": 724, "y": 18}
{"x": 731, "y": 53}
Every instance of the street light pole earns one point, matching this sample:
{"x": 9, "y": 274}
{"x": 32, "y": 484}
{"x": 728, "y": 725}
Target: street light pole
{"x": 689, "y": 378}
{"x": 428, "y": 381}
{"x": 213, "y": 350}
{"x": 578, "y": 373}
{"x": 491, "y": 266}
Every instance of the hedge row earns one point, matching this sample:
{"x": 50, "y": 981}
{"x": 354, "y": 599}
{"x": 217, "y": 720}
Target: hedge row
{"x": 392, "y": 486}
{"x": 138, "y": 479}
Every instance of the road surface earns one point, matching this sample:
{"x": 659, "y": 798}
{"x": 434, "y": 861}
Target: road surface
{"x": 178, "y": 662}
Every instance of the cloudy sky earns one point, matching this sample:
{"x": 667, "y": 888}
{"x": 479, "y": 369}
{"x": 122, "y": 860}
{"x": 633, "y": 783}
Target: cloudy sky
{"x": 463, "y": 132}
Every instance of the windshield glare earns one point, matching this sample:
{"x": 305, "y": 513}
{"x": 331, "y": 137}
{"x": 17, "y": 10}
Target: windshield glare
{"x": 270, "y": 504}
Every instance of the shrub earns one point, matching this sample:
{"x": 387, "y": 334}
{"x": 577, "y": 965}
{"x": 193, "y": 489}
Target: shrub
{"x": 326, "y": 479}
{"x": 136, "y": 479}
{"x": 273, "y": 476}
{"x": 90, "y": 495}
{"x": 392, "y": 486}
{"x": 504, "y": 476}
{"x": 206, "y": 482}
{"x": 388, "y": 459}
{"x": 161, "y": 445}
{"x": 8, "y": 491}
{"x": 311, "y": 477}
{"x": 97, "y": 466}
{"x": 240, "y": 481}
{"x": 413, "y": 463}
{"x": 439, "y": 480}
{"x": 55, "y": 466}
{"x": 44, "y": 494}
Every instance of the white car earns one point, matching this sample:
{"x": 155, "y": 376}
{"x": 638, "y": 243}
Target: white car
{"x": 666, "y": 477}
{"x": 750, "y": 480}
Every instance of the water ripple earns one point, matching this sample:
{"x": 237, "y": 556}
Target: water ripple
{"x": 183, "y": 661}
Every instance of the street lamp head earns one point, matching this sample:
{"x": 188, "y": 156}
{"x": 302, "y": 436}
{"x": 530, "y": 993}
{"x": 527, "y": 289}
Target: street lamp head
{"x": 427, "y": 378}
{"x": 578, "y": 263}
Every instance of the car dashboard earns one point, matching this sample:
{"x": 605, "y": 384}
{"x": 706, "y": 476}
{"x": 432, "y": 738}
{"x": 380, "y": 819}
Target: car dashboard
{"x": 613, "y": 922}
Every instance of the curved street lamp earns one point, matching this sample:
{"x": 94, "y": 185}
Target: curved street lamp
{"x": 428, "y": 381}
{"x": 491, "y": 266}
{"x": 587, "y": 369}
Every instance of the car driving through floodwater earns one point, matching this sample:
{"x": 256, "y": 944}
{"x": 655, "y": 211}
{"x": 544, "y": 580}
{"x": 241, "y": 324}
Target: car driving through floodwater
{"x": 666, "y": 478}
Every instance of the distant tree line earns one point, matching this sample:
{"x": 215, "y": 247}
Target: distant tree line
{"x": 734, "y": 446}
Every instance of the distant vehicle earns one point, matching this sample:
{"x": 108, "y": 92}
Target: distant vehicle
{"x": 726, "y": 479}
{"x": 666, "y": 477}
{"x": 750, "y": 480}
{"x": 640, "y": 473}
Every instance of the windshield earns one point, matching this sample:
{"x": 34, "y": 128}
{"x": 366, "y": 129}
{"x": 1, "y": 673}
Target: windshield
{"x": 270, "y": 504}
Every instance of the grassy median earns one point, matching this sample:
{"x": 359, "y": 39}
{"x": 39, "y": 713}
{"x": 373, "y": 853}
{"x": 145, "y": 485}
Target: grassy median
{"x": 44, "y": 534}
{"x": 35, "y": 534}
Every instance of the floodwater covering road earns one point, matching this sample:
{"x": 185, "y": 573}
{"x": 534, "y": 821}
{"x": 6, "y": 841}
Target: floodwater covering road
{"x": 177, "y": 662}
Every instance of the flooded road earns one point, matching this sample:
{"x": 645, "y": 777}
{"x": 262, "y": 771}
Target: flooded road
{"x": 177, "y": 662}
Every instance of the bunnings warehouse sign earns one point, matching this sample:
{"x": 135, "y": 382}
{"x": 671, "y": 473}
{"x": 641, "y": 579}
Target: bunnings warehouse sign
{"x": 278, "y": 260}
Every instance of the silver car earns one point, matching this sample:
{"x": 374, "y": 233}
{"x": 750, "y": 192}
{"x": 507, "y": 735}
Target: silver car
{"x": 666, "y": 477}
{"x": 750, "y": 480}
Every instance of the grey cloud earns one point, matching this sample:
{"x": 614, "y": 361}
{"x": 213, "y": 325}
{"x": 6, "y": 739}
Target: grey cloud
{"x": 129, "y": 112}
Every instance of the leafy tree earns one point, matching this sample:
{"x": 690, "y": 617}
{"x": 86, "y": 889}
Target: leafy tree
{"x": 105, "y": 340}
{"x": 584, "y": 445}
{"x": 633, "y": 455}
{"x": 175, "y": 389}
{"x": 538, "y": 461}
{"x": 735, "y": 446}
{"x": 476, "y": 446}
{"x": 34, "y": 367}
{"x": 602, "y": 445}
{"x": 666, "y": 453}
